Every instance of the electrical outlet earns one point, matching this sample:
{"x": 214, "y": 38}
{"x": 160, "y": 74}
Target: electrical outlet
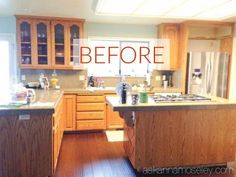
{"x": 81, "y": 77}
{"x": 24, "y": 117}
{"x": 158, "y": 78}
{"x": 23, "y": 78}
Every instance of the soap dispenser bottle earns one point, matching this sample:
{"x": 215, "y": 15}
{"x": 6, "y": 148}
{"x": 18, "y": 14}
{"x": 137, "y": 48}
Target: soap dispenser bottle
{"x": 123, "y": 94}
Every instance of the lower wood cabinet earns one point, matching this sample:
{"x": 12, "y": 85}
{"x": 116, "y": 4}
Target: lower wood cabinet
{"x": 58, "y": 130}
{"x": 69, "y": 112}
{"x": 114, "y": 121}
{"x": 26, "y": 144}
{"x": 90, "y": 112}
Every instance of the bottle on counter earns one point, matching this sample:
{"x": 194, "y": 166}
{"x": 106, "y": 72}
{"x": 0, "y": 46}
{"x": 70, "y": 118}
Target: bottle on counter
{"x": 91, "y": 82}
{"x": 54, "y": 80}
{"x": 123, "y": 94}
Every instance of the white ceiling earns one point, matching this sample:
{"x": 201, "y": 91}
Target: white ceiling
{"x": 72, "y": 8}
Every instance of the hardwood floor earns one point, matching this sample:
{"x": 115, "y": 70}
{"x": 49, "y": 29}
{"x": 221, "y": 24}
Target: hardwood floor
{"x": 91, "y": 155}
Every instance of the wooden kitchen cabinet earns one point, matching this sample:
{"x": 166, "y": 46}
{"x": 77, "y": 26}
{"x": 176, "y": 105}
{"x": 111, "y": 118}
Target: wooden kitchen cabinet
{"x": 58, "y": 131}
{"x": 75, "y": 33}
{"x": 48, "y": 42}
{"x": 25, "y": 42}
{"x": 41, "y": 34}
{"x": 171, "y": 32}
{"x": 69, "y": 112}
{"x": 114, "y": 121}
{"x": 59, "y": 44}
{"x": 91, "y": 112}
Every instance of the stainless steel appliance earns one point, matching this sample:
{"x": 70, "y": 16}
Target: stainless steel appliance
{"x": 179, "y": 98}
{"x": 207, "y": 73}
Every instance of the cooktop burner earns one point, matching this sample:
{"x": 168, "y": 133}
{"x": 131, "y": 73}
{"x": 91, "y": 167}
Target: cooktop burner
{"x": 176, "y": 98}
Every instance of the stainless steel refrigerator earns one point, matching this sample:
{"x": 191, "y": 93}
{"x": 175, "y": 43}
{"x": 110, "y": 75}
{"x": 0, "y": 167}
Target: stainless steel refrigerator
{"x": 207, "y": 73}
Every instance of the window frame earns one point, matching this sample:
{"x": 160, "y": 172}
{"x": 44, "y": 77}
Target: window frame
{"x": 120, "y": 40}
{"x": 13, "y": 63}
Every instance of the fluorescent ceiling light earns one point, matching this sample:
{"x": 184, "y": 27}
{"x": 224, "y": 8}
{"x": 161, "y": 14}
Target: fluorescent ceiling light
{"x": 224, "y": 11}
{"x": 157, "y": 7}
{"x": 193, "y": 7}
{"x": 117, "y": 7}
{"x": 190, "y": 9}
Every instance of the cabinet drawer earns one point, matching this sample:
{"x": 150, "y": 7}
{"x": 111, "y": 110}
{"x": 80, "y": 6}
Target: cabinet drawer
{"x": 90, "y": 106}
{"x": 90, "y": 115}
{"x": 90, "y": 99}
{"x": 90, "y": 124}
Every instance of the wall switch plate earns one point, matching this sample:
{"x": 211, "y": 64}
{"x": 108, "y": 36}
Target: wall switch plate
{"x": 158, "y": 78}
{"x": 23, "y": 78}
{"x": 81, "y": 77}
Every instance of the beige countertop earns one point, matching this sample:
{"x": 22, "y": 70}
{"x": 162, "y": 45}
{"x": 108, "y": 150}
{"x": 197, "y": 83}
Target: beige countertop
{"x": 111, "y": 90}
{"x": 44, "y": 101}
{"x": 152, "y": 106}
{"x": 47, "y": 100}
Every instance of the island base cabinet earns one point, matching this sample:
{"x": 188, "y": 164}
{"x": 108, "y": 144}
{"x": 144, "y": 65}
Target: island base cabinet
{"x": 26, "y": 145}
{"x": 179, "y": 138}
{"x": 129, "y": 143}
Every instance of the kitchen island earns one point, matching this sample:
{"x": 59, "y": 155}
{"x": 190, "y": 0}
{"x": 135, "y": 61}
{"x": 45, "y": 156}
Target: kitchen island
{"x": 30, "y": 136}
{"x": 178, "y": 134}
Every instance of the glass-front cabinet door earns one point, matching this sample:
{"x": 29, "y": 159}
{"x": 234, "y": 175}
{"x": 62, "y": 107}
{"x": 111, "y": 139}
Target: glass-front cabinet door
{"x": 25, "y": 42}
{"x": 59, "y": 52}
{"x": 74, "y": 42}
{"x": 43, "y": 43}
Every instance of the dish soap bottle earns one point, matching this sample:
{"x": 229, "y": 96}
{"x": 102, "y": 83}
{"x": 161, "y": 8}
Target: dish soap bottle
{"x": 54, "y": 80}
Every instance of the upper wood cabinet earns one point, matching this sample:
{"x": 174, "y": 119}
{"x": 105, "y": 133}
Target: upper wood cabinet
{"x": 42, "y": 37}
{"x": 75, "y": 31}
{"x": 47, "y": 42}
{"x": 25, "y": 42}
{"x": 171, "y": 32}
{"x": 59, "y": 44}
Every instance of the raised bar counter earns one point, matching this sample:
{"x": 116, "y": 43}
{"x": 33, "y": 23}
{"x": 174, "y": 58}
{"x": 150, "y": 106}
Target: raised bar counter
{"x": 178, "y": 134}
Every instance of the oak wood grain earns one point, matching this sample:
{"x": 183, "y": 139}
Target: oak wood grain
{"x": 114, "y": 121}
{"x": 188, "y": 138}
{"x": 26, "y": 146}
{"x": 69, "y": 112}
{"x": 171, "y": 31}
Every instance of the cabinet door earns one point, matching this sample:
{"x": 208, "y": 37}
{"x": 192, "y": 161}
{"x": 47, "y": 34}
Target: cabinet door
{"x": 59, "y": 45}
{"x": 171, "y": 32}
{"x": 75, "y": 34}
{"x": 69, "y": 112}
{"x": 25, "y": 41}
{"x": 55, "y": 147}
{"x": 43, "y": 51}
{"x": 114, "y": 121}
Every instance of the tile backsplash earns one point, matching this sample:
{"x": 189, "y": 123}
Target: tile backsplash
{"x": 72, "y": 79}
{"x": 67, "y": 78}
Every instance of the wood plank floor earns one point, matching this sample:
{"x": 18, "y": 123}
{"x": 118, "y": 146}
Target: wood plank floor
{"x": 91, "y": 155}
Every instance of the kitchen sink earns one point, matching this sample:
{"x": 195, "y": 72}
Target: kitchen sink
{"x": 92, "y": 89}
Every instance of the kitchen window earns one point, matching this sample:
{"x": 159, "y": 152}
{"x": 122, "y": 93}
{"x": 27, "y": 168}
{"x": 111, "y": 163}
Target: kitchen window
{"x": 7, "y": 63}
{"x": 116, "y": 67}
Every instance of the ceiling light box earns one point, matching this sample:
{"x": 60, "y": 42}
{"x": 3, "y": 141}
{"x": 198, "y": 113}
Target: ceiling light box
{"x": 186, "y": 9}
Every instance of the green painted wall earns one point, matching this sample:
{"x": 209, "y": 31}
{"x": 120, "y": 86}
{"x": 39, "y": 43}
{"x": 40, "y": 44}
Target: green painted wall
{"x": 120, "y": 30}
{"x": 7, "y": 24}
